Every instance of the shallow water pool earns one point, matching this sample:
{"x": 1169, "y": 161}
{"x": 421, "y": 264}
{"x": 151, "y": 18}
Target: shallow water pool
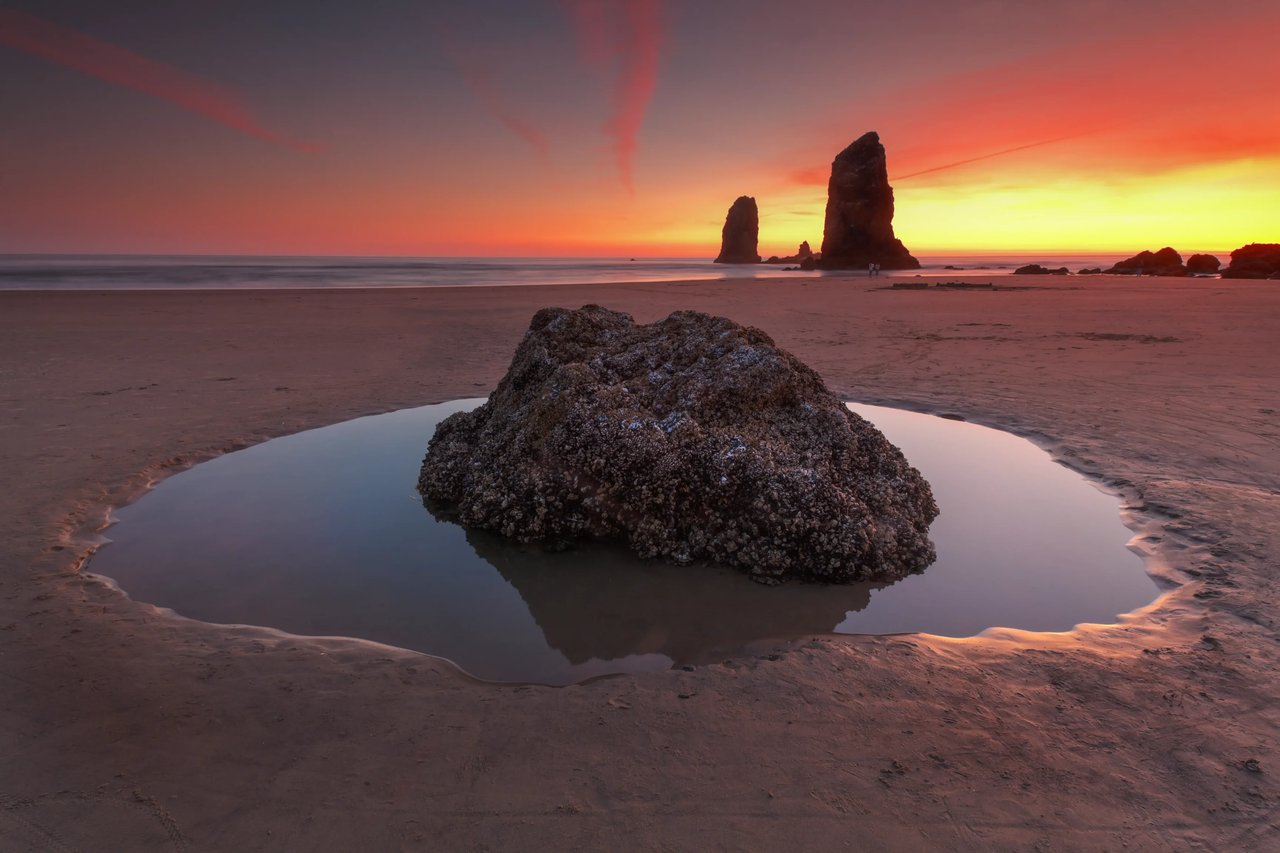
{"x": 323, "y": 533}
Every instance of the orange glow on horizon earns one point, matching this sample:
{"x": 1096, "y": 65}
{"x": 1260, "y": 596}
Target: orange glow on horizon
{"x": 529, "y": 142}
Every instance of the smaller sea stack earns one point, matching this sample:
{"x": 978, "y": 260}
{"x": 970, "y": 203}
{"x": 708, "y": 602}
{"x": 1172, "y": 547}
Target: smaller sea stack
{"x": 741, "y": 234}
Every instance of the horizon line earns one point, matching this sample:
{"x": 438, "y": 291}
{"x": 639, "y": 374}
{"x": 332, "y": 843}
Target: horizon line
{"x": 943, "y": 252}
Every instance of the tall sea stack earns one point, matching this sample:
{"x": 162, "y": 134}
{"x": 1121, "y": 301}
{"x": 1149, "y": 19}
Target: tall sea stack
{"x": 741, "y": 234}
{"x": 859, "y": 225}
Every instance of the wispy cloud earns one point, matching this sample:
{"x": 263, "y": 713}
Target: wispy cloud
{"x": 483, "y": 85}
{"x": 98, "y": 58}
{"x": 634, "y": 44}
{"x": 993, "y": 154}
{"x": 1088, "y": 108}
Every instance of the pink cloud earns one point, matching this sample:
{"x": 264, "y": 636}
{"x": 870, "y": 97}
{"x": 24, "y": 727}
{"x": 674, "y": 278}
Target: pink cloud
{"x": 1093, "y": 108}
{"x": 482, "y": 85}
{"x": 993, "y": 154}
{"x": 122, "y": 67}
{"x": 480, "y": 81}
{"x": 636, "y": 47}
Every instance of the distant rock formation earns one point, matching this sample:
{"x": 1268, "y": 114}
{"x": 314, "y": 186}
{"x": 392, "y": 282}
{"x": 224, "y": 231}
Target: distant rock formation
{"x": 1090, "y": 271}
{"x": 1165, "y": 262}
{"x": 1203, "y": 265}
{"x": 1036, "y": 269}
{"x": 859, "y": 223}
{"x": 802, "y": 254}
{"x": 692, "y": 438}
{"x": 1257, "y": 260}
{"x": 741, "y": 234}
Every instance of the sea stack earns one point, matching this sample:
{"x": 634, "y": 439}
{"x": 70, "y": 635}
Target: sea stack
{"x": 859, "y": 224}
{"x": 693, "y": 438}
{"x": 741, "y": 234}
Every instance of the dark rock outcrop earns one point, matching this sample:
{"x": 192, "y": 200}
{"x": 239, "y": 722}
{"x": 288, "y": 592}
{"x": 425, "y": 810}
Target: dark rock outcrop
{"x": 1090, "y": 271}
{"x": 1165, "y": 262}
{"x": 803, "y": 253}
{"x": 1257, "y": 260}
{"x": 1203, "y": 265}
{"x": 691, "y": 438}
{"x": 741, "y": 234}
{"x": 858, "y": 229}
{"x": 1036, "y": 269}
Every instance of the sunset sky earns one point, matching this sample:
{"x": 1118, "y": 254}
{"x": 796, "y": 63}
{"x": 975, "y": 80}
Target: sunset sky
{"x": 626, "y": 127}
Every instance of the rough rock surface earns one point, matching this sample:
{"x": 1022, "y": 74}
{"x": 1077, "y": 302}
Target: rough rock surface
{"x": 1203, "y": 265}
{"x": 858, "y": 229}
{"x": 741, "y": 234}
{"x": 1037, "y": 269}
{"x": 690, "y": 438}
{"x": 1165, "y": 262}
{"x": 1257, "y": 260}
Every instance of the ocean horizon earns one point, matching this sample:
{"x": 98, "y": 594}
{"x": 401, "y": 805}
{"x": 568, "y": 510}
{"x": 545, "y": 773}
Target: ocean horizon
{"x": 46, "y": 272}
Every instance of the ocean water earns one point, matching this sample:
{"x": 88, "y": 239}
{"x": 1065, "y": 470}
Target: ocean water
{"x": 221, "y": 272}
{"x": 323, "y": 533}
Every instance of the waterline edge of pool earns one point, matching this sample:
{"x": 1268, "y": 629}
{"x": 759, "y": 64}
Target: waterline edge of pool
{"x": 1146, "y": 528}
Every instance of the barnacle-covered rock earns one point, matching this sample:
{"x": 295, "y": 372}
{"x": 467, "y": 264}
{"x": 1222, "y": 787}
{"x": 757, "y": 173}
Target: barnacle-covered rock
{"x": 691, "y": 438}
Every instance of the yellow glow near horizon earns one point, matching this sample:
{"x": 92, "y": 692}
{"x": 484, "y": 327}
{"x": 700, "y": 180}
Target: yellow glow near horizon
{"x": 1222, "y": 205}
{"x": 1215, "y": 207}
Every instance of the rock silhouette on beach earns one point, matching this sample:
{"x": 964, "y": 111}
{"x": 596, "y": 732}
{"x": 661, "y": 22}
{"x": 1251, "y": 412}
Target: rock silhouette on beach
{"x": 741, "y": 234}
{"x": 1257, "y": 260}
{"x": 1037, "y": 269}
{"x": 802, "y": 254}
{"x": 858, "y": 229}
{"x": 1165, "y": 262}
{"x": 692, "y": 438}
{"x": 1203, "y": 265}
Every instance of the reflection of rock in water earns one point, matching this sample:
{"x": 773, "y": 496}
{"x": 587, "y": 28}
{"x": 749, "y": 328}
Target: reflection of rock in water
{"x": 600, "y": 601}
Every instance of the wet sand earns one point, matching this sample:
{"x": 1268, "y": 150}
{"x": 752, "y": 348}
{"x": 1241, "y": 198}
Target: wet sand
{"x": 123, "y": 727}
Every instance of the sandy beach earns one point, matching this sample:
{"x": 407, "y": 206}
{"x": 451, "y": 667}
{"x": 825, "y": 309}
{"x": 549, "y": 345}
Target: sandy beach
{"x": 123, "y": 727}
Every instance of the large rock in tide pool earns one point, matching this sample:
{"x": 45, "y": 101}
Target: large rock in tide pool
{"x": 692, "y": 438}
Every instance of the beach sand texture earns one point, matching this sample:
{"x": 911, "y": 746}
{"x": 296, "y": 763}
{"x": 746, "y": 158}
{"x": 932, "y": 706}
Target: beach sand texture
{"x": 125, "y": 728}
